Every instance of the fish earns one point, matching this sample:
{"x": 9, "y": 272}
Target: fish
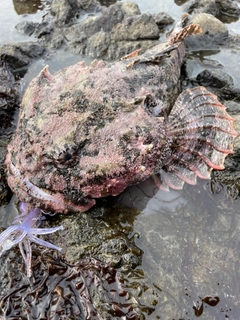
{"x": 87, "y": 132}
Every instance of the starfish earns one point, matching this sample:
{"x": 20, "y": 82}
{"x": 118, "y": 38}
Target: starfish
{"x": 23, "y": 231}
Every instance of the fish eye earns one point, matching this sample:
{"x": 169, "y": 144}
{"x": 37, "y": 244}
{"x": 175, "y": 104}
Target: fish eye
{"x": 67, "y": 156}
{"x": 152, "y": 106}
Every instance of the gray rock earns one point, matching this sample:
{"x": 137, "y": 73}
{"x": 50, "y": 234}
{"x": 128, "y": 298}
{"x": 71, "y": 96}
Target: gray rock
{"x": 109, "y": 18}
{"x": 213, "y": 31}
{"x": 136, "y": 28}
{"x": 20, "y": 55}
{"x": 162, "y": 19}
{"x": 9, "y": 102}
{"x": 97, "y": 44}
{"x": 63, "y": 11}
{"x": 219, "y": 8}
{"x": 117, "y": 31}
{"x": 214, "y": 78}
{"x": 209, "y": 24}
{"x": 26, "y": 27}
{"x": 108, "y": 35}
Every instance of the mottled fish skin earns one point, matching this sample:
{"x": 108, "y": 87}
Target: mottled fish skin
{"x": 90, "y": 131}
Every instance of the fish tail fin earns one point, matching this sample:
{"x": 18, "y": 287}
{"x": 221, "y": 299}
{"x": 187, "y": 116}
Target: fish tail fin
{"x": 201, "y": 134}
{"x": 179, "y": 33}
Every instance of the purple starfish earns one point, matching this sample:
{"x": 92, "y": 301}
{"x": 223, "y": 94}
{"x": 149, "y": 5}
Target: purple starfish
{"x": 23, "y": 231}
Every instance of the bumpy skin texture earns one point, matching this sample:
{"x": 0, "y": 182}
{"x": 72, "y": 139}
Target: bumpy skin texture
{"x": 88, "y": 132}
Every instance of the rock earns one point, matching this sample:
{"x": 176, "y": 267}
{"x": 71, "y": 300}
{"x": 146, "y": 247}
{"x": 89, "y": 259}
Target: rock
{"x": 222, "y": 9}
{"x": 122, "y": 29}
{"x": 209, "y": 24}
{"x": 162, "y": 19}
{"x": 214, "y": 78}
{"x": 20, "y": 55}
{"x": 213, "y": 31}
{"x": 106, "y": 35}
{"x": 88, "y": 5}
{"x": 63, "y": 11}
{"x": 136, "y": 28}
{"x": 26, "y": 27}
{"x": 97, "y": 44}
{"x": 108, "y": 19}
{"x": 9, "y": 102}
{"x": 107, "y": 238}
{"x": 27, "y": 6}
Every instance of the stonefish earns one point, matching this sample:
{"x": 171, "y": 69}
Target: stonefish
{"x": 87, "y": 132}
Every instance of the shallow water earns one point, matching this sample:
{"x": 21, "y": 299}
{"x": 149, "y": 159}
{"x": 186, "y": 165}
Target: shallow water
{"x": 190, "y": 238}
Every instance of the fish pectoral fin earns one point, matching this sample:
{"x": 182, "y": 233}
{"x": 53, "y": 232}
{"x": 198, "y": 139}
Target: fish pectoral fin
{"x": 201, "y": 134}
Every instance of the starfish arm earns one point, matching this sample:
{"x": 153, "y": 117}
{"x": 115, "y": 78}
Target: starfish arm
{"x": 26, "y": 253}
{"x": 7, "y": 237}
{"x": 44, "y": 230}
{"x": 43, "y": 243}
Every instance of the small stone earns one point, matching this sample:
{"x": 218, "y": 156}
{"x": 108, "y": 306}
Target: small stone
{"x": 163, "y": 19}
{"x": 214, "y": 78}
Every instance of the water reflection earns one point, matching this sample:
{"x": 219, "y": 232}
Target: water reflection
{"x": 191, "y": 243}
{"x": 27, "y": 6}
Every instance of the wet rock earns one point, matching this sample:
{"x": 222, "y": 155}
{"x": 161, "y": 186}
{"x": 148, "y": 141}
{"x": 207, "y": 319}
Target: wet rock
{"x": 9, "y": 102}
{"x": 107, "y": 3}
{"x": 229, "y": 93}
{"x": 213, "y": 31}
{"x": 214, "y": 78}
{"x": 36, "y": 29}
{"x": 123, "y": 29}
{"x": 26, "y": 27}
{"x": 19, "y": 55}
{"x": 63, "y": 10}
{"x": 106, "y": 21}
{"x": 162, "y": 19}
{"x": 107, "y": 237}
{"x": 106, "y": 35}
{"x": 221, "y": 9}
{"x": 27, "y": 6}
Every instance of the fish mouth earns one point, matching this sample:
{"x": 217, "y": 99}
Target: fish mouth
{"x": 55, "y": 202}
{"x": 29, "y": 187}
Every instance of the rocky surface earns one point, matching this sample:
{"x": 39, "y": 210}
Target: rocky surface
{"x": 214, "y": 31}
{"x": 114, "y": 32}
{"x": 18, "y": 56}
{"x": 9, "y": 103}
{"x": 225, "y": 10}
